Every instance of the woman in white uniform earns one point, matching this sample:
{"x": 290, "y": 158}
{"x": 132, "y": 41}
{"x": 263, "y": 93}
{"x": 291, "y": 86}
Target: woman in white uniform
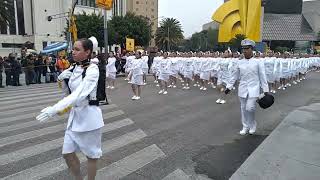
{"x": 136, "y": 76}
{"x": 111, "y": 71}
{"x": 252, "y": 76}
{"x": 83, "y": 132}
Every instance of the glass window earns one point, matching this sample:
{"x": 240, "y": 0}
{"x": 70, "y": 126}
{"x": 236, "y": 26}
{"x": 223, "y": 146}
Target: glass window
{"x": 20, "y": 17}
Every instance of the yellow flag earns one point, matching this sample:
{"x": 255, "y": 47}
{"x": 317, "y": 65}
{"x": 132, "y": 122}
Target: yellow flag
{"x": 129, "y": 44}
{"x": 73, "y": 29}
{"x": 106, "y": 4}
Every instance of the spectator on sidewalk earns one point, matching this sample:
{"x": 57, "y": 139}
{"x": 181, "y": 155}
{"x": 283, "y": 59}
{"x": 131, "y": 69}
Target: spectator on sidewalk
{"x": 38, "y": 68}
{"x": 1, "y": 71}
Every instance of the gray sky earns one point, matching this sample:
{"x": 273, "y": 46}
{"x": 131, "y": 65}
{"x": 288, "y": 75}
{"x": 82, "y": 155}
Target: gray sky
{"x": 191, "y": 13}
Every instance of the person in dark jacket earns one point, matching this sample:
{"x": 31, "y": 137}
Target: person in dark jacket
{"x": 1, "y": 71}
{"x": 38, "y": 68}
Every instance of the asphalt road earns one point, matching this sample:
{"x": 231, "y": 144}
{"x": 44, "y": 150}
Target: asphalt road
{"x": 184, "y": 134}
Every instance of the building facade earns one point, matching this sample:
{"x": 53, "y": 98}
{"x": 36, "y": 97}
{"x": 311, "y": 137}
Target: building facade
{"x": 31, "y": 22}
{"x": 146, "y": 8}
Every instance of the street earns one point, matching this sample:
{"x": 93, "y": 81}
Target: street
{"x": 182, "y": 135}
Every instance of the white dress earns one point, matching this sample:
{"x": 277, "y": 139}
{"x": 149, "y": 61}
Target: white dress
{"x": 111, "y": 68}
{"x": 136, "y": 71}
{"x": 83, "y": 132}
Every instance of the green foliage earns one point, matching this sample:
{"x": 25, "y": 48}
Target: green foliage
{"x": 90, "y": 25}
{"x": 235, "y": 42}
{"x": 169, "y": 34}
{"x": 131, "y": 26}
{"x": 206, "y": 40}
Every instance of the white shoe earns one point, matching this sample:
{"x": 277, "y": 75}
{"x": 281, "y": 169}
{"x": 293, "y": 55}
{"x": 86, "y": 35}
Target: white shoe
{"x": 161, "y": 92}
{"x": 280, "y": 87}
{"x": 174, "y": 86}
{"x": 243, "y": 132}
{"x": 138, "y": 97}
{"x": 187, "y": 88}
{"x": 183, "y": 87}
{"x": 214, "y": 87}
{"x": 218, "y": 101}
{"x": 289, "y": 84}
{"x": 198, "y": 85}
{"x": 157, "y": 85}
{"x": 294, "y": 82}
{"x": 204, "y": 89}
{"x": 195, "y": 85}
{"x": 170, "y": 86}
{"x": 165, "y": 92}
{"x": 134, "y": 97}
{"x": 223, "y": 101}
{"x": 112, "y": 87}
{"x": 201, "y": 88}
{"x": 298, "y": 80}
{"x": 155, "y": 81}
{"x": 144, "y": 83}
{"x": 108, "y": 87}
{"x": 284, "y": 88}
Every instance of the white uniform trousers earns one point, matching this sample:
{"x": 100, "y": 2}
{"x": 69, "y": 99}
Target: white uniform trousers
{"x": 248, "y": 108}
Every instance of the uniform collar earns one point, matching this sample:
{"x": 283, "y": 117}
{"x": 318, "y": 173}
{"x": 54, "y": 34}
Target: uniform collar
{"x": 84, "y": 63}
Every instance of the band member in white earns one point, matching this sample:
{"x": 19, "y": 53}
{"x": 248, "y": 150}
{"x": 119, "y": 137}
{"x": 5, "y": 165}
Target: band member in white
{"x": 111, "y": 71}
{"x": 83, "y": 132}
{"x": 252, "y": 77}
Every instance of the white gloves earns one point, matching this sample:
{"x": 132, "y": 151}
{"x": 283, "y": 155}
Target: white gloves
{"x": 64, "y": 75}
{"x": 45, "y": 114}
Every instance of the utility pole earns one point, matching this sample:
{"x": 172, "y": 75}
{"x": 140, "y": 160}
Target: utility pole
{"x": 168, "y": 39}
{"x": 105, "y": 32}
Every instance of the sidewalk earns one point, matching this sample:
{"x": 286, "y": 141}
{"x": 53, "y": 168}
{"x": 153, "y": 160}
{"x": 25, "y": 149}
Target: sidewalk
{"x": 291, "y": 152}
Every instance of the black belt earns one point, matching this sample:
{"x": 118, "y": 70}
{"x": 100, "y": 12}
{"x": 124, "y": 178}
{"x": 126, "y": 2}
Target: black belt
{"x": 94, "y": 103}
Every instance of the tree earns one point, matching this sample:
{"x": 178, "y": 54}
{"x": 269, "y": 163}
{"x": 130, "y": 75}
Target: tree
{"x": 206, "y": 40}
{"x": 169, "y": 34}
{"x": 90, "y": 25}
{"x": 6, "y": 12}
{"x": 129, "y": 26}
{"x": 235, "y": 42}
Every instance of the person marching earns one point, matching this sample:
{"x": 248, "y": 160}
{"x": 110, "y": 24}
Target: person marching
{"x": 164, "y": 74}
{"x": 136, "y": 76}
{"x": 252, "y": 76}
{"x": 111, "y": 71}
{"x": 83, "y": 132}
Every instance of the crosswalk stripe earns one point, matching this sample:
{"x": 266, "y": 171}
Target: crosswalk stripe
{"x": 21, "y": 105}
{"x": 23, "y": 100}
{"x": 14, "y": 96}
{"x": 57, "y": 165}
{"x": 34, "y": 114}
{"x": 177, "y": 175}
{"x": 26, "y": 88}
{"x": 47, "y": 146}
{"x": 41, "y": 132}
{"x": 29, "y": 135}
{"x": 24, "y": 91}
{"x": 130, "y": 163}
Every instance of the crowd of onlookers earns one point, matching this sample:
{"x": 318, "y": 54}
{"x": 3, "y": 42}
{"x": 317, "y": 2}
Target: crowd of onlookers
{"x": 33, "y": 66}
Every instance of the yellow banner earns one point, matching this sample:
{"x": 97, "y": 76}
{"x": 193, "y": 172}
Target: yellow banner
{"x": 105, "y": 4}
{"x": 129, "y": 44}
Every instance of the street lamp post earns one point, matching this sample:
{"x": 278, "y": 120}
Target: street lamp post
{"x": 105, "y": 32}
{"x": 168, "y": 39}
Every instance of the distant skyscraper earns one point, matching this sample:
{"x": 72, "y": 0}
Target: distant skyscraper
{"x": 283, "y": 6}
{"x": 146, "y": 8}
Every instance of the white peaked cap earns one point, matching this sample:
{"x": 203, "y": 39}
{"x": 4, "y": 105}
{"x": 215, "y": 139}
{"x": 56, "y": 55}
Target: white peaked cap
{"x": 95, "y": 61}
{"x": 248, "y": 42}
{"x": 94, "y": 42}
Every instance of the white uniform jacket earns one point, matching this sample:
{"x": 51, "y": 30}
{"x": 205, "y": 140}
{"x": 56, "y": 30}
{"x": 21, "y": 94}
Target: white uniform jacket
{"x": 82, "y": 117}
{"x": 252, "y": 76}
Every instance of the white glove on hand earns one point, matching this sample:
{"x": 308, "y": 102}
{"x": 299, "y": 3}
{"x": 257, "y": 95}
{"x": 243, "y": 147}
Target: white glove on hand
{"x": 45, "y": 114}
{"x": 64, "y": 75}
{"x": 261, "y": 96}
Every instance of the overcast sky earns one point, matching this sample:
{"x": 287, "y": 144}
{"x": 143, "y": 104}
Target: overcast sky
{"x": 191, "y": 13}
